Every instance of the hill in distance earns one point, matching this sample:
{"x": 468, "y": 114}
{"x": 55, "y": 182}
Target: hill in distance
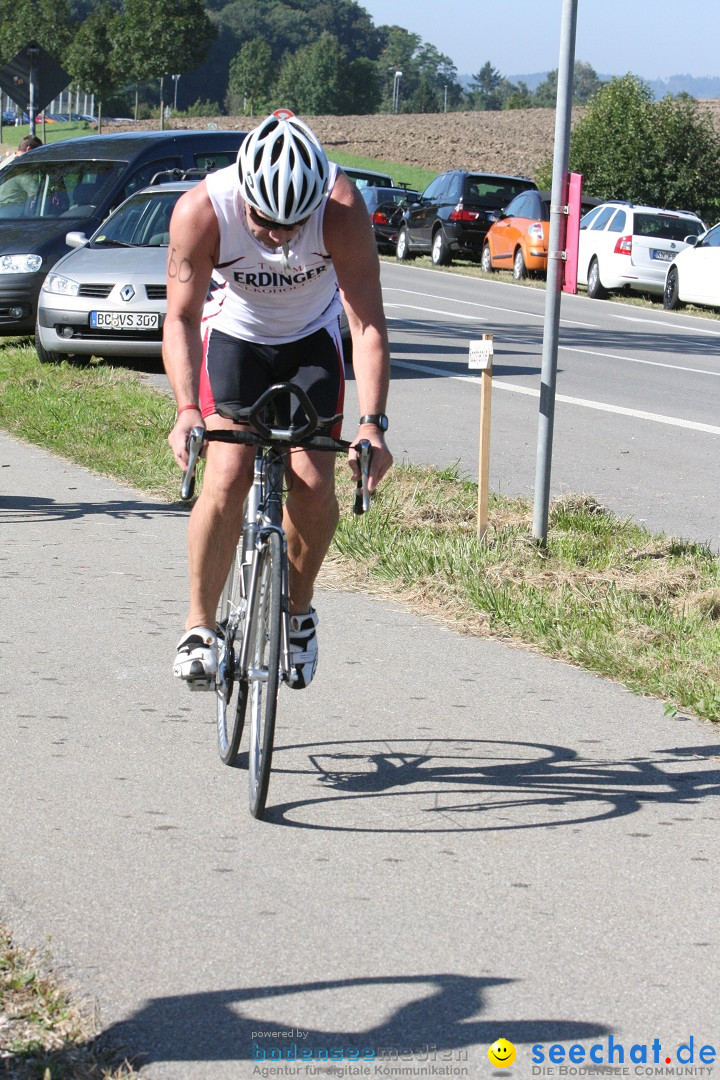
{"x": 707, "y": 86}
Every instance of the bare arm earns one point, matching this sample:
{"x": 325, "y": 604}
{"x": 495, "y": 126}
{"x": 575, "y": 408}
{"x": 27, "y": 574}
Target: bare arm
{"x": 351, "y": 245}
{"x": 192, "y": 253}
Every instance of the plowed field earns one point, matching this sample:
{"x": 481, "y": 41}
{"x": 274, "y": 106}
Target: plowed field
{"x": 514, "y": 142}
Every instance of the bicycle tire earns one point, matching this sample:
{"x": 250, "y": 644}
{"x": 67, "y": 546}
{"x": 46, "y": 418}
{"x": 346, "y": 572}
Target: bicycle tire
{"x": 231, "y": 691}
{"x": 265, "y": 629}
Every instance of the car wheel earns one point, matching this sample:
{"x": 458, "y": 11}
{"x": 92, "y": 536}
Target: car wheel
{"x": 402, "y": 248}
{"x": 519, "y": 268}
{"x": 671, "y": 294}
{"x": 44, "y": 355}
{"x": 486, "y": 260}
{"x": 595, "y": 288}
{"x": 440, "y": 255}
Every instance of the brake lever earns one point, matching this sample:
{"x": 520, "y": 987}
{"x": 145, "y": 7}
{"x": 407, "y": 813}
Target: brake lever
{"x": 195, "y": 441}
{"x": 364, "y": 451}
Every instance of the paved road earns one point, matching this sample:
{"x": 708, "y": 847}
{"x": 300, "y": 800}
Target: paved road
{"x": 466, "y": 842}
{"x": 636, "y": 420}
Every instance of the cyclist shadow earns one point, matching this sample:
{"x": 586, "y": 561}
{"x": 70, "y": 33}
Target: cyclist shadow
{"x": 31, "y": 509}
{"x": 488, "y": 785}
{"x": 225, "y": 1024}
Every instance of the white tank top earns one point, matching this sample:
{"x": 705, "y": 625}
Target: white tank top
{"x": 263, "y": 295}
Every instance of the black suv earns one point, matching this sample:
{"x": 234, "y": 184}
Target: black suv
{"x": 72, "y": 186}
{"x": 454, "y": 214}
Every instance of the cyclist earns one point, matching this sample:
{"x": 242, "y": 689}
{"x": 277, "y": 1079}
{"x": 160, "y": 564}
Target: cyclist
{"x": 260, "y": 254}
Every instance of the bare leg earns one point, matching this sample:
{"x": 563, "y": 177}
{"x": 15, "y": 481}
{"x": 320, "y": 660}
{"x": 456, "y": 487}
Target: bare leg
{"x": 216, "y": 524}
{"x": 310, "y": 519}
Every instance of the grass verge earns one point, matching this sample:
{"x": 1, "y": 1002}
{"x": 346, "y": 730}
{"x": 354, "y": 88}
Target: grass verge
{"x": 43, "y": 1036}
{"x": 605, "y": 594}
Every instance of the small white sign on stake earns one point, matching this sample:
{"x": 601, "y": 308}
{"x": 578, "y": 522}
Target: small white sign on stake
{"x": 481, "y": 354}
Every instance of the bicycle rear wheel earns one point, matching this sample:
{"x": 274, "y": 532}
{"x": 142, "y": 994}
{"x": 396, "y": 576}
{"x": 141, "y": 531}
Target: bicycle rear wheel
{"x": 231, "y": 691}
{"x": 265, "y": 629}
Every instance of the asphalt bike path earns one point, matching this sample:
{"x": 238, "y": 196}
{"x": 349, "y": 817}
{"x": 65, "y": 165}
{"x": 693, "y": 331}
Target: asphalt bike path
{"x": 466, "y": 841}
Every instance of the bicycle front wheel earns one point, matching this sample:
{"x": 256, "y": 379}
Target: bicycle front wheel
{"x": 265, "y": 629}
{"x": 231, "y": 690}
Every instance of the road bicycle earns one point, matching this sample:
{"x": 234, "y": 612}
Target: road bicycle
{"x": 253, "y": 622}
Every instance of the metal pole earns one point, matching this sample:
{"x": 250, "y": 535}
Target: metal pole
{"x": 33, "y": 53}
{"x": 556, "y": 243}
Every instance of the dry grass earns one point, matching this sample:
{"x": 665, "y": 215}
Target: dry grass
{"x": 43, "y": 1035}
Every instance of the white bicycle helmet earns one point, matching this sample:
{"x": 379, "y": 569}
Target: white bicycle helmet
{"x": 283, "y": 169}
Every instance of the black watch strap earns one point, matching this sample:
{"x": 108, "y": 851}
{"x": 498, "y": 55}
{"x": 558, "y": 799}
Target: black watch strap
{"x": 380, "y": 420}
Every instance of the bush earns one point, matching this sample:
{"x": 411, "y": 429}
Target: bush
{"x": 665, "y": 153}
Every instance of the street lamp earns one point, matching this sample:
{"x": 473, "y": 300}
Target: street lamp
{"x": 176, "y": 80}
{"x": 396, "y": 90}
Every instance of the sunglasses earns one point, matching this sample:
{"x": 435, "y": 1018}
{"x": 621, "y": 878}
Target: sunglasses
{"x": 268, "y": 223}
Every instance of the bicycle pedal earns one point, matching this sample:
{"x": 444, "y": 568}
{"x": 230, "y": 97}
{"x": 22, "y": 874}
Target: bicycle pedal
{"x": 201, "y": 684}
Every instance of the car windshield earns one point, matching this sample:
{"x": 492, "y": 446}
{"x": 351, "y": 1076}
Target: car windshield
{"x": 494, "y": 191}
{"x": 666, "y": 227}
{"x": 31, "y": 190}
{"x": 143, "y": 220}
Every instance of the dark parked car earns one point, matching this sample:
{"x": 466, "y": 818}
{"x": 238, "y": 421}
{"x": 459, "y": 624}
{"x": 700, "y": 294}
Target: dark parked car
{"x": 454, "y": 214}
{"x": 364, "y": 178}
{"x": 72, "y": 186}
{"x": 385, "y": 206}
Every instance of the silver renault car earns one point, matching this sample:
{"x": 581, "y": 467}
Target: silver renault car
{"x": 108, "y": 297}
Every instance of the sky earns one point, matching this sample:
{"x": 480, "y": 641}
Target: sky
{"x": 652, "y": 38}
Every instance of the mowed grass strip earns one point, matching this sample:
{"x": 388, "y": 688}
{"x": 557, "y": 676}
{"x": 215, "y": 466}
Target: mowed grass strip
{"x": 605, "y": 594}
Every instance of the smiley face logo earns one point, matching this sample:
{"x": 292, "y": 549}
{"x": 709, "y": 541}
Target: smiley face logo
{"x": 501, "y": 1053}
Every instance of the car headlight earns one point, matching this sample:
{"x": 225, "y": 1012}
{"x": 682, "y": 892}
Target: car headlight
{"x": 20, "y": 264}
{"x": 56, "y": 283}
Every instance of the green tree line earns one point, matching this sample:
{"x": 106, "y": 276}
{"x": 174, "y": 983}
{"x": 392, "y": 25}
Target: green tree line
{"x": 247, "y": 56}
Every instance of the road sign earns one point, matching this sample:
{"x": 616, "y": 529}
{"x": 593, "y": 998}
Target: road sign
{"x": 50, "y": 77}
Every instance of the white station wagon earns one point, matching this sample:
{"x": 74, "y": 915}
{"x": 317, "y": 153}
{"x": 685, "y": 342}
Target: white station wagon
{"x": 623, "y": 246}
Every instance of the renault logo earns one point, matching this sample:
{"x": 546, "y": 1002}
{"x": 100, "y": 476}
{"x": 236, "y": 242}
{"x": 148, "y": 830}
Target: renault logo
{"x": 127, "y": 292}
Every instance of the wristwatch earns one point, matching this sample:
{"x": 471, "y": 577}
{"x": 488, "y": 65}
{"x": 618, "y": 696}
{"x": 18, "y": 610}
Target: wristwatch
{"x": 380, "y": 420}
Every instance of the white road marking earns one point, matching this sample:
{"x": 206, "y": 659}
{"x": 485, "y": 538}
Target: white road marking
{"x": 601, "y": 406}
{"x": 566, "y": 348}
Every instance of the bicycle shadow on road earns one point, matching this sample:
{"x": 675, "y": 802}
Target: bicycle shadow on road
{"x": 448, "y": 785}
{"x": 224, "y": 1024}
{"x": 32, "y": 509}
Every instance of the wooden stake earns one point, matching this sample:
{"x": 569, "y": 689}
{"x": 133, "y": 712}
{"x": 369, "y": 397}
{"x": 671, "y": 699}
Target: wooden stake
{"x": 484, "y": 453}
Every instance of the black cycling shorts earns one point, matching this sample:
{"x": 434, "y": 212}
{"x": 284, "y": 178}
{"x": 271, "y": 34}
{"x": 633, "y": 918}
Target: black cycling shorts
{"x": 235, "y": 372}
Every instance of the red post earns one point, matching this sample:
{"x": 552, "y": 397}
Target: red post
{"x": 572, "y": 232}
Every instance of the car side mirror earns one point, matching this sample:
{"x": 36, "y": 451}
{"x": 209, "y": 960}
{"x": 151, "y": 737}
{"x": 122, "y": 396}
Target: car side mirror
{"x": 694, "y": 241}
{"x": 76, "y": 239}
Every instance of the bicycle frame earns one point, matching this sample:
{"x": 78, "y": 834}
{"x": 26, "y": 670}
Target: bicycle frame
{"x": 263, "y": 514}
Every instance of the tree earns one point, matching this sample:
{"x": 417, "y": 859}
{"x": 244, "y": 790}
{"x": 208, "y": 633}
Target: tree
{"x": 627, "y": 146}
{"x": 90, "y": 56}
{"x": 518, "y": 96}
{"x": 485, "y": 86}
{"x": 312, "y": 79}
{"x": 585, "y": 85}
{"x": 250, "y": 76}
{"x": 46, "y": 21}
{"x": 159, "y": 37}
{"x": 425, "y": 72}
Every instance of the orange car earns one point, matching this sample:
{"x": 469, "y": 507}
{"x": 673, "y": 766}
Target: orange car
{"x": 518, "y": 240}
